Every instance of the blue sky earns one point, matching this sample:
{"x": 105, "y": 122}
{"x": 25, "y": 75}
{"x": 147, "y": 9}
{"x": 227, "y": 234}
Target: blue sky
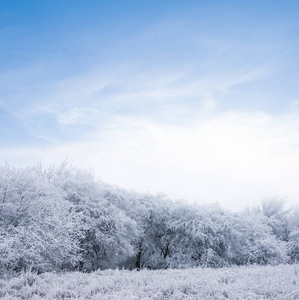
{"x": 197, "y": 99}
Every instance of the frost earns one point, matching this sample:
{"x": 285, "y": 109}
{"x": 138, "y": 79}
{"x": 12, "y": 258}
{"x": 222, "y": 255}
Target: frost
{"x": 255, "y": 282}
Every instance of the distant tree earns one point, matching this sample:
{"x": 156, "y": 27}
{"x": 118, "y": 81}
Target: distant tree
{"x": 194, "y": 237}
{"x": 263, "y": 245}
{"x": 276, "y": 217}
{"x": 151, "y": 213}
{"x": 293, "y": 243}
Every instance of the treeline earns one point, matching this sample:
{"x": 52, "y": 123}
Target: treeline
{"x": 62, "y": 218}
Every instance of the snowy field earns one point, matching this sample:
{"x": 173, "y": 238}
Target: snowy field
{"x": 253, "y": 282}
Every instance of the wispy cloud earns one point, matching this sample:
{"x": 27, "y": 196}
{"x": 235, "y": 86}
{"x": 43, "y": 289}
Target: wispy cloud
{"x": 101, "y": 96}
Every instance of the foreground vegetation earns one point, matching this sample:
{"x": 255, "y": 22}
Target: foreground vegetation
{"x": 252, "y": 282}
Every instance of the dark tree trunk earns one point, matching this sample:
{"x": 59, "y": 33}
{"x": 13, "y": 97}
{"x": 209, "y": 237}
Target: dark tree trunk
{"x": 138, "y": 258}
{"x": 165, "y": 253}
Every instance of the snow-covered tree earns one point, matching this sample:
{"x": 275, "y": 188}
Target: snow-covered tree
{"x": 293, "y": 243}
{"x": 276, "y": 217}
{"x": 110, "y": 232}
{"x": 63, "y": 218}
{"x": 263, "y": 246}
{"x": 151, "y": 213}
{"x": 38, "y": 228}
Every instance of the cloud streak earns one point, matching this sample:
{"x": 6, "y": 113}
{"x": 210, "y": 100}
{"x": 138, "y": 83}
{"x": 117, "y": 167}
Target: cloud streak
{"x": 99, "y": 98}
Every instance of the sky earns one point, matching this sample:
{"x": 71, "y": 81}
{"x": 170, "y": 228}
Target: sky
{"x": 198, "y": 100}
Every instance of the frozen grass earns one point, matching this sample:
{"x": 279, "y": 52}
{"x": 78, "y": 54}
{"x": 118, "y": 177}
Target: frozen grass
{"x": 253, "y": 282}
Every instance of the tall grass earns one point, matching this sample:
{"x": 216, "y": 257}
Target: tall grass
{"x": 252, "y": 282}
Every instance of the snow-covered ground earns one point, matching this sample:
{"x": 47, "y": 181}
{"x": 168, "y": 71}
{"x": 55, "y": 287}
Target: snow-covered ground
{"x": 252, "y": 282}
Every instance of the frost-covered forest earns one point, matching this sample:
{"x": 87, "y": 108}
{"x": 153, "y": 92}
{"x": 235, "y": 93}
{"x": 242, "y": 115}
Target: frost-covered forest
{"x": 63, "y": 219}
